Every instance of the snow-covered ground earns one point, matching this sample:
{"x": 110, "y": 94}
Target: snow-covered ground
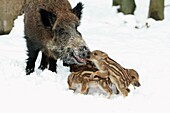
{"x": 147, "y": 50}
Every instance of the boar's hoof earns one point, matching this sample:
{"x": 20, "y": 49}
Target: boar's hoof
{"x": 29, "y": 71}
{"x": 42, "y": 67}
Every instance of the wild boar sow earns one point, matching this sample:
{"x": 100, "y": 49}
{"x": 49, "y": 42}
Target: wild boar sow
{"x": 51, "y": 27}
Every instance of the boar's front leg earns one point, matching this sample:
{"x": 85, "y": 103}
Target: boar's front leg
{"x": 45, "y": 60}
{"x": 33, "y": 51}
{"x": 52, "y": 65}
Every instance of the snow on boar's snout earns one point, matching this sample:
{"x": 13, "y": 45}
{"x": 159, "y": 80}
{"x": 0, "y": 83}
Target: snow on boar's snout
{"x": 51, "y": 27}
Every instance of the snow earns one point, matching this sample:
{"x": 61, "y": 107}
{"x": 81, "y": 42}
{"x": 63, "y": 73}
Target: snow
{"x": 147, "y": 50}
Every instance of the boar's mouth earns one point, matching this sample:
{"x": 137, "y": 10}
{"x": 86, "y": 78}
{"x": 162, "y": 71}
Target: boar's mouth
{"x": 76, "y": 56}
{"x": 79, "y": 60}
{"x": 72, "y": 58}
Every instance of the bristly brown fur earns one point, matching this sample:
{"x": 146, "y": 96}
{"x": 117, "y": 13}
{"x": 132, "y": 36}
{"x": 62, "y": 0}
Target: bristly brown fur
{"x": 89, "y": 66}
{"x": 51, "y": 27}
{"x": 35, "y": 28}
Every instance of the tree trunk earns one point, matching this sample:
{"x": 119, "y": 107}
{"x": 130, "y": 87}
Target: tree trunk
{"x": 126, "y": 6}
{"x": 116, "y": 2}
{"x": 9, "y": 10}
{"x": 156, "y": 9}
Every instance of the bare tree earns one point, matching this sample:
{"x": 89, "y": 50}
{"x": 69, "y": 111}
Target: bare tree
{"x": 9, "y": 10}
{"x": 126, "y": 6}
{"x": 156, "y": 9}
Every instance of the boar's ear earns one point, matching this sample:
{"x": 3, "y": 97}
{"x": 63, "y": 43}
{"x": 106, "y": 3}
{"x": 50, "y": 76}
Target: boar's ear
{"x": 47, "y": 18}
{"x": 77, "y": 10}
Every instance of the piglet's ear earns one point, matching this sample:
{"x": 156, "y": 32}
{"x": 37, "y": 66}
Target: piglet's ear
{"x": 105, "y": 56}
{"x": 47, "y": 18}
{"x": 77, "y": 10}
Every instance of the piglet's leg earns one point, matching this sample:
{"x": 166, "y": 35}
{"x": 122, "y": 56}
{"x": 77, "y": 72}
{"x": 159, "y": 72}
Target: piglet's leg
{"x": 107, "y": 89}
{"x": 84, "y": 88}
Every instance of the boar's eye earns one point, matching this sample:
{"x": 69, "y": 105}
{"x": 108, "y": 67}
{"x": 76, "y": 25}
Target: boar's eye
{"x": 61, "y": 31}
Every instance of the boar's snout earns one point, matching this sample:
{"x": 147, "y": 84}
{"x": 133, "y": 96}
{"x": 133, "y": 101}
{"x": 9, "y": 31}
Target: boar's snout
{"x": 76, "y": 56}
{"x": 84, "y": 52}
